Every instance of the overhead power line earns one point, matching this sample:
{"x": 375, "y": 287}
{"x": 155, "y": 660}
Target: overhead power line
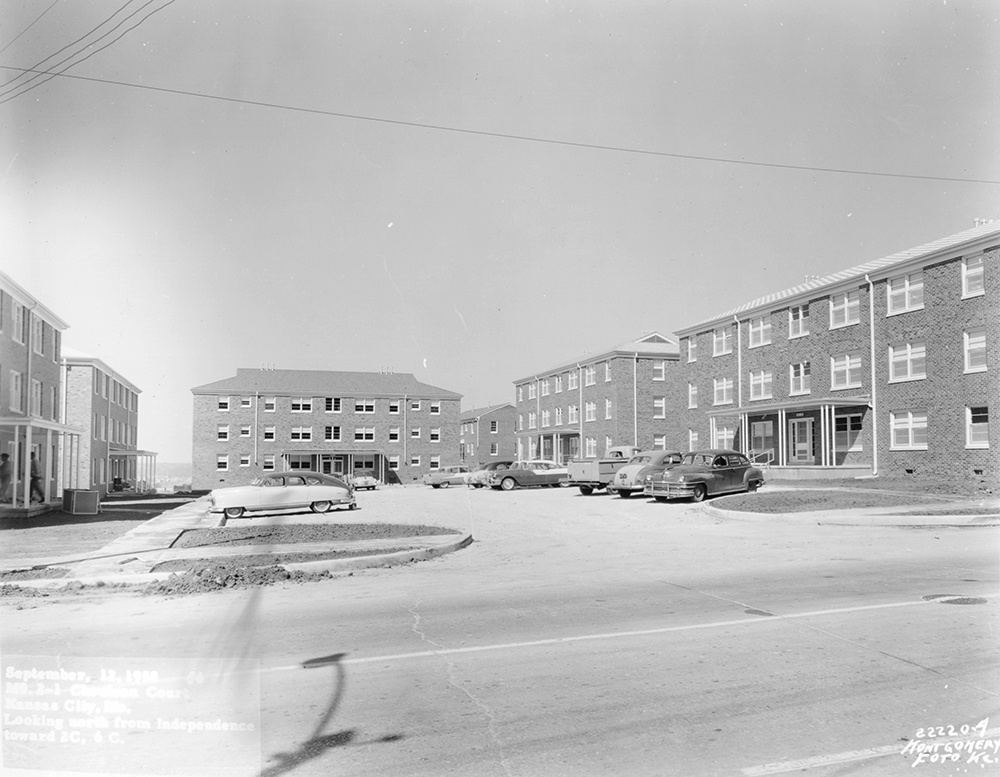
{"x": 12, "y": 40}
{"x": 508, "y": 136}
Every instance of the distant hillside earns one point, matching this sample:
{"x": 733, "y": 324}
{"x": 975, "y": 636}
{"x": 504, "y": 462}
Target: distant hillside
{"x": 173, "y": 471}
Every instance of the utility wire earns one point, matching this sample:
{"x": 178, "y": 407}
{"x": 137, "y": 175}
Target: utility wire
{"x": 526, "y": 138}
{"x": 13, "y": 93}
{"x": 28, "y": 27}
{"x": 91, "y": 31}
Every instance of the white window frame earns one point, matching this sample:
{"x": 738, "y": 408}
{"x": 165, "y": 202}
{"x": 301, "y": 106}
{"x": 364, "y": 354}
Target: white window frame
{"x": 246, "y": 430}
{"x": 692, "y": 349}
{"x": 724, "y": 436}
{"x": 546, "y": 419}
{"x": 393, "y": 434}
{"x": 905, "y": 359}
{"x": 608, "y": 442}
{"x": 532, "y": 390}
{"x": 246, "y": 401}
{"x": 722, "y": 391}
{"x": 435, "y": 434}
{"x": 415, "y": 405}
{"x": 494, "y": 427}
{"x": 559, "y": 416}
{"x": 659, "y": 442}
{"x": 607, "y": 372}
{"x": 532, "y": 420}
{"x": 414, "y": 459}
{"x": 364, "y": 433}
{"x": 223, "y": 404}
{"x": 268, "y": 465}
{"x": 520, "y": 393}
{"x": 722, "y": 341}
{"x": 798, "y": 321}
{"x": 244, "y": 459}
{"x": 971, "y": 337}
{"x": 904, "y": 293}
{"x": 269, "y": 432}
{"x": 559, "y": 384}
{"x": 573, "y": 414}
{"x": 761, "y": 384}
{"x": 332, "y": 433}
{"x": 222, "y": 433}
{"x": 910, "y": 422}
{"x": 760, "y": 331}
{"x": 302, "y": 404}
{"x": 590, "y": 412}
{"x": 415, "y": 432}
{"x": 222, "y": 462}
{"x": 435, "y": 408}
{"x": 435, "y": 462}
{"x": 304, "y": 433}
{"x": 364, "y": 406}
{"x": 971, "y": 428}
{"x": 17, "y": 318}
{"x": 394, "y": 407}
{"x": 846, "y": 305}
{"x": 849, "y": 365}
{"x": 589, "y": 375}
{"x": 269, "y": 404}
{"x": 692, "y": 440}
{"x": 590, "y": 447}
{"x": 572, "y": 380}
{"x": 660, "y": 370}
{"x": 494, "y": 449}
{"x": 36, "y": 397}
{"x": 848, "y": 438}
{"x": 692, "y": 396}
{"x": 37, "y": 335}
{"x": 545, "y": 387}
{"x": 659, "y": 407}
{"x": 333, "y": 404}
{"x": 607, "y": 409}
{"x": 801, "y": 383}
{"x": 973, "y": 276}
{"x": 394, "y": 463}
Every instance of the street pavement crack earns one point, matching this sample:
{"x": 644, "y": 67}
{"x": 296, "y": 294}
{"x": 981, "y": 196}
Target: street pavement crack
{"x": 491, "y": 725}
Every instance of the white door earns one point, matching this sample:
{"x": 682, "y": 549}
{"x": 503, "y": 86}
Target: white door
{"x": 801, "y": 437}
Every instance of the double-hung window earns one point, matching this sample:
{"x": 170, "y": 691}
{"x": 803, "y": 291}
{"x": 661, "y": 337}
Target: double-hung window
{"x": 799, "y": 378}
{"x": 845, "y": 309}
{"x": 559, "y": 384}
{"x": 332, "y": 404}
{"x": 589, "y": 375}
{"x": 798, "y": 321}
{"x": 559, "y": 418}
{"x": 364, "y": 433}
{"x": 760, "y": 384}
{"x": 845, "y": 371}
{"x": 545, "y": 387}
{"x": 393, "y": 434}
{"x": 607, "y": 372}
{"x": 302, "y": 404}
{"x": 847, "y": 432}
{"x": 302, "y": 433}
{"x": 659, "y": 407}
{"x": 245, "y": 430}
{"x": 908, "y": 429}
{"x": 532, "y": 390}
{"x": 692, "y": 349}
{"x": 532, "y": 420}
{"x": 269, "y": 404}
{"x": 607, "y": 409}
{"x": 723, "y": 390}
{"x": 269, "y": 432}
{"x": 435, "y": 408}
{"x": 574, "y": 414}
{"x": 332, "y": 433}
{"x": 972, "y": 276}
{"x": 907, "y": 361}
{"x": 722, "y": 341}
{"x": 546, "y": 418}
{"x": 572, "y": 380}
{"x": 590, "y": 408}
{"x": 974, "y": 345}
{"x": 223, "y": 404}
{"x": 906, "y": 293}
{"x": 692, "y": 395}
{"x": 364, "y": 406}
{"x": 415, "y": 433}
{"x": 660, "y": 370}
{"x": 977, "y": 427}
{"x": 435, "y": 434}
{"x": 222, "y": 433}
{"x": 760, "y": 331}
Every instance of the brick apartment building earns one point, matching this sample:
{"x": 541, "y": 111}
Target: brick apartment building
{"x": 883, "y": 368}
{"x": 622, "y": 396}
{"x": 105, "y": 405}
{"x": 268, "y": 420}
{"x": 488, "y": 433}
{"x": 31, "y": 393}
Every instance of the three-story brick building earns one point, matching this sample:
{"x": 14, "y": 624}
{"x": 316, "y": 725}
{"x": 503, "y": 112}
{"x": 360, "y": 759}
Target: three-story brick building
{"x": 334, "y": 422}
{"x": 488, "y": 433}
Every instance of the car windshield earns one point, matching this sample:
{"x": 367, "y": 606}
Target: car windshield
{"x": 698, "y": 458}
{"x": 640, "y": 460}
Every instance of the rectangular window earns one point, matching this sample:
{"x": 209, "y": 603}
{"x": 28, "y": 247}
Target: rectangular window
{"x": 574, "y": 414}
{"x": 394, "y": 463}
{"x": 974, "y": 343}
{"x": 847, "y": 432}
{"x": 37, "y": 335}
{"x": 331, "y": 433}
{"x": 364, "y": 406}
{"x": 532, "y": 390}
{"x": 435, "y": 434}
{"x": 415, "y": 461}
{"x": 246, "y": 401}
{"x": 520, "y": 393}
{"x": 222, "y": 462}
{"x": 17, "y": 313}
{"x": 659, "y": 407}
{"x": 909, "y": 430}
{"x": 845, "y": 309}
{"x": 435, "y": 408}
{"x": 590, "y": 447}
{"x": 364, "y": 433}
{"x": 692, "y": 395}
{"x": 572, "y": 380}
{"x": 659, "y": 442}
{"x": 394, "y": 407}
{"x": 692, "y": 440}
{"x": 660, "y": 370}
{"x": 722, "y": 341}
{"x": 692, "y": 350}
{"x": 798, "y": 321}
{"x": 546, "y": 418}
{"x": 520, "y": 422}
{"x": 415, "y": 433}
{"x": 559, "y": 384}
{"x": 332, "y": 404}
{"x": 36, "y": 397}
{"x": 723, "y": 391}
{"x": 435, "y": 462}
{"x": 494, "y": 449}
{"x": 590, "y": 409}
{"x": 545, "y": 387}
{"x": 589, "y": 375}
{"x": 607, "y": 372}
{"x": 394, "y": 434}
{"x": 302, "y": 433}
{"x": 494, "y": 427}
{"x": 724, "y": 436}
{"x": 845, "y": 371}
{"x": 245, "y": 430}
{"x": 977, "y": 427}
{"x": 268, "y": 462}
{"x": 244, "y": 459}
{"x": 302, "y": 404}
{"x": 414, "y": 405}
{"x": 760, "y": 384}
{"x": 607, "y": 442}
{"x": 760, "y": 331}
{"x": 972, "y": 277}
{"x": 907, "y": 362}
{"x": 223, "y": 432}
{"x": 607, "y": 409}
{"x": 799, "y": 377}
{"x": 269, "y": 432}
{"x": 532, "y": 421}
{"x": 269, "y": 403}
{"x": 906, "y": 293}
{"x": 559, "y": 416}
{"x": 223, "y": 403}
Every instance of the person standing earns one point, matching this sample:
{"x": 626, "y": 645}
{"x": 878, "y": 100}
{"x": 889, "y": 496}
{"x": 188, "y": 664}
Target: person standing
{"x": 5, "y": 476}
{"x": 36, "y": 481}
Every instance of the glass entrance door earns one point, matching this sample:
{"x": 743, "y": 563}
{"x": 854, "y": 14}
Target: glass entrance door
{"x": 800, "y": 437}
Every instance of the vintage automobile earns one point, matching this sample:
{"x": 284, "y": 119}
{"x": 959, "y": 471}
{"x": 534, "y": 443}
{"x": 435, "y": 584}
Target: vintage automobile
{"x": 705, "y": 473}
{"x": 631, "y": 479}
{"x": 453, "y": 475}
{"x": 590, "y": 475}
{"x": 364, "y": 478}
{"x": 520, "y": 474}
{"x": 284, "y": 491}
{"x": 477, "y": 478}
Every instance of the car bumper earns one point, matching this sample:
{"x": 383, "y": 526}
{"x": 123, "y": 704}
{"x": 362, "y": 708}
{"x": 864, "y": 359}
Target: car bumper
{"x": 670, "y": 490}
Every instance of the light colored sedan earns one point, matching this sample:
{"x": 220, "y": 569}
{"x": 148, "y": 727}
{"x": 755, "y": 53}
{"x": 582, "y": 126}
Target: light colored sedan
{"x": 447, "y": 476}
{"x": 284, "y": 491}
{"x": 520, "y": 474}
{"x": 364, "y": 478}
{"x": 631, "y": 479}
{"x": 478, "y": 477}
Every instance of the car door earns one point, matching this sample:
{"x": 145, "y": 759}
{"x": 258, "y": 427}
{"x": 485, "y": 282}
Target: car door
{"x": 722, "y": 475}
{"x": 739, "y": 466}
{"x": 293, "y": 493}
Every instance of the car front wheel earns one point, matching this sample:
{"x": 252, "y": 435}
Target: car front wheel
{"x": 320, "y": 507}
{"x": 445, "y": 484}
{"x": 624, "y": 493}
{"x": 234, "y": 512}
{"x": 586, "y": 490}
{"x": 699, "y": 493}
{"x": 507, "y": 484}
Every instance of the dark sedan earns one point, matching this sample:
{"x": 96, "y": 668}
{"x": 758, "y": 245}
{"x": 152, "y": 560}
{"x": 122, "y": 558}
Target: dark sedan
{"x": 705, "y": 473}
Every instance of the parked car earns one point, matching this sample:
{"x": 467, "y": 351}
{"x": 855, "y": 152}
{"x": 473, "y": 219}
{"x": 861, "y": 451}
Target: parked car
{"x": 284, "y": 491}
{"x": 364, "y": 478}
{"x": 453, "y": 475}
{"x": 631, "y": 478}
{"x": 705, "y": 473}
{"x": 537, "y": 472}
{"x": 477, "y": 478}
{"x": 590, "y": 475}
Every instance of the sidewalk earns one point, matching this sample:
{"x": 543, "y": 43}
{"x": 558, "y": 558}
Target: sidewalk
{"x": 974, "y": 513}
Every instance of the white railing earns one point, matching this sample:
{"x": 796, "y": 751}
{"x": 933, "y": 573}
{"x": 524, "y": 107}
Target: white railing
{"x": 762, "y": 458}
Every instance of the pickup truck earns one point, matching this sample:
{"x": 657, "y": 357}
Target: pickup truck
{"x": 590, "y": 475}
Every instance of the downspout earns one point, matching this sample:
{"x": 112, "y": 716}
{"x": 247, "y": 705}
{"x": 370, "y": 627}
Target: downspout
{"x": 406, "y": 430}
{"x": 871, "y": 346}
{"x": 256, "y": 427}
{"x": 26, "y": 392}
{"x": 538, "y": 417}
{"x": 739, "y": 383}
{"x": 635, "y": 400}
{"x": 579, "y": 410}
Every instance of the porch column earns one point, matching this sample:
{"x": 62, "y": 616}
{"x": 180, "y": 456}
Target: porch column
{"x": 781, "y": 438}
{"x": 48, "y": 466}
{"x": 833, "y": 436}
{"x": 26, "y": 469}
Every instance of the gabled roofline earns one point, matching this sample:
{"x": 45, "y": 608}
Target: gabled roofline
{"x": 618, "y": 350}
{"x": 22, "y": 296}
{"x": 476, "y": 413}
{"x": 84, "y": 360}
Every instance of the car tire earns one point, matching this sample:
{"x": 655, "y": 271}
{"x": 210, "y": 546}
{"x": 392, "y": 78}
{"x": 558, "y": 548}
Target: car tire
{"x": 700, "y": 492}
{"x": 660, "y": 499}
{"x": 586, "y": 490}
{"x": 234, "y": 512}
{"x": 751, "y": 486}
{"x": 508, "y": 484}
{"x": 351, "y": 506}
{"x": 321, "y": 507}
{"x": 445, "y": 484}
{"x": 435, "y": 485}
{"x": 624, "y": 493}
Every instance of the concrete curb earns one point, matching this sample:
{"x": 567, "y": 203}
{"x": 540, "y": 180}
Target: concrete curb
{"x": 863, "y": 517}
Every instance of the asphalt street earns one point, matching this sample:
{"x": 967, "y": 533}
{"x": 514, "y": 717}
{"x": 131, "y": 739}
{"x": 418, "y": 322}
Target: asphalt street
{"x": 577, "y": 636}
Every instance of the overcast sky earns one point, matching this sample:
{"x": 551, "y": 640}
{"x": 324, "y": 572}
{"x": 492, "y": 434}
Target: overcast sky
{"x": 211, "y": 210}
